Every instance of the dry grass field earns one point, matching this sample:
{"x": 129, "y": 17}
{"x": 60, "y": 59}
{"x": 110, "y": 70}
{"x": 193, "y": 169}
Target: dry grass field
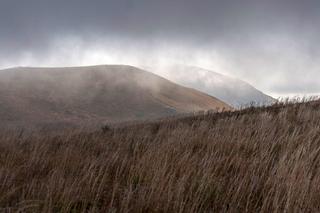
{"x": 253, "y": 160}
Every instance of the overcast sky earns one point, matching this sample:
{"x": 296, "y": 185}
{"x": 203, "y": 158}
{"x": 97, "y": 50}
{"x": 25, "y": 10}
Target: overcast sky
{"x": 273, "y": 44}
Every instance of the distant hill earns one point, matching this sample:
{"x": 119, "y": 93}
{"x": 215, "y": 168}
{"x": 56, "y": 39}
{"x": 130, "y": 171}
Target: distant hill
{"x": 59, "y": 97}
{"x": 233, "y": 91}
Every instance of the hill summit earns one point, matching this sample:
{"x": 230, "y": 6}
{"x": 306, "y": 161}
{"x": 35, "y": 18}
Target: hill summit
{"x": 96, "y": 94}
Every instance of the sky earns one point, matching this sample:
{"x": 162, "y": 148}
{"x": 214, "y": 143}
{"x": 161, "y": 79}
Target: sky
{"x": 272, "y": 44}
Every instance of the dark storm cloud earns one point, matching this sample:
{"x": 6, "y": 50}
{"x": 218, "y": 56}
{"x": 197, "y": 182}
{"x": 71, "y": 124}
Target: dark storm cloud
{"x": 27, "y": 22}
{"x": 262, "y": 41}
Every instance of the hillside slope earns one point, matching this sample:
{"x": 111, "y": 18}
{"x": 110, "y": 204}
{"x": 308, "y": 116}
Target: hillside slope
{"x": 97, "y": 94}
{"x": 233, "y": 91}
{"x": 254, "y": 160}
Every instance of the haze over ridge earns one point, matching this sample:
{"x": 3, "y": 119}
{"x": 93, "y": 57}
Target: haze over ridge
{"x": 273, "y": 45}
{"x": 95, "y": 95}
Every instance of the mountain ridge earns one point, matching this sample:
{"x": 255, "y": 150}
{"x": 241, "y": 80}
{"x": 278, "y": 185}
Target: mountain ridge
{"x": 231, "y": 90}
{"x": 69, "y": 96}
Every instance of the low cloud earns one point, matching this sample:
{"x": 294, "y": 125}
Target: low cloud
{"x": 273, "y": 45}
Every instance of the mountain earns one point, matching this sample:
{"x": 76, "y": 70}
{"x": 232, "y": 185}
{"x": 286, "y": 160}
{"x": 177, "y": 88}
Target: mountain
{"x": 232, "y": 91}
{"x": 59, "y": 97}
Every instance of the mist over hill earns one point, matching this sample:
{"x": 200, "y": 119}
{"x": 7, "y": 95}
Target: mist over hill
{"x": 233, "y": 91}
{"x": 75, "y": 96}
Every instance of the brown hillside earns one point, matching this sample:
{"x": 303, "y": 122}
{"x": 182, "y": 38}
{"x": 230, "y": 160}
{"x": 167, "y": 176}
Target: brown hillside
{"x": 92, "y": 95}
{"x": 254, "y": 160}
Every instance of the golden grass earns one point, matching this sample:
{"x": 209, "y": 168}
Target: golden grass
{"x": 253, "y": 160}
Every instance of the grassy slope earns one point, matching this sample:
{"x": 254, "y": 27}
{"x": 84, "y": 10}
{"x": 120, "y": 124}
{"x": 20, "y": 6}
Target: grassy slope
{"x": 264, "y": 159}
